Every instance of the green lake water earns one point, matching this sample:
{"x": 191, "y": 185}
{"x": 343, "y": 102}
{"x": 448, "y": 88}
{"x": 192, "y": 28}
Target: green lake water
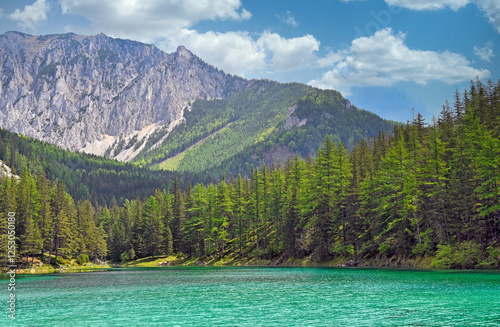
{"x": 256, "y": 297}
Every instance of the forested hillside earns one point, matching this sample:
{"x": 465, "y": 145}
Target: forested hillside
{"x": 86, "y": 176}
{"x": 428, "y": 189}
{"x": 237, "y": 134}
{"x": 247, "y": 115}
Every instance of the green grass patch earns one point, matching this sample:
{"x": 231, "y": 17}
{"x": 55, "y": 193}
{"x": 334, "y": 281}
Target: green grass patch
{"x": 172, "y": 163}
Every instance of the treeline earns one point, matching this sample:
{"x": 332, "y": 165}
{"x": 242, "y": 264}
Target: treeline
{"x": 424, "y": 190}
{"x": 48, "y": 223}
{"x": 326, "y": 112}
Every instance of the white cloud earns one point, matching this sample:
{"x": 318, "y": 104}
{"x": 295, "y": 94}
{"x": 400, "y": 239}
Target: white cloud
{"x": 238, "y": 53}
{"x": 485, "y": 53}
{"x": 428, "y": 4}
{"x": 288, "y": 54}
{"x": 234, "y": 52}
{"x": 288, "y": 19}
{"x": 330, "y": 59}
{"x": 167, "y": 23}
{"x": 149, "y": 20}
{"x": 32, "y": 15}
{"x": 490, "y": 7}
{"x": 384, "y": 60}
{"x": 492, "y": 10}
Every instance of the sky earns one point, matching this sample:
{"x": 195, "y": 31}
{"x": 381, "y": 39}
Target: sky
{"x": 386, "y": 56}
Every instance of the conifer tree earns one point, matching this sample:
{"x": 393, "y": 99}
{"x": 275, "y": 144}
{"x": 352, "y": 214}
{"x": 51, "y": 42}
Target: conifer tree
{"x": 239, "y": 209}
{"x": 178, "y": 216}
{"x": 153, "y": 227}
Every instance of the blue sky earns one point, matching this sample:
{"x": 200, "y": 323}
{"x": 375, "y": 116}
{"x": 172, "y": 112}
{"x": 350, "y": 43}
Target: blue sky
{"x": 386, "y": 56}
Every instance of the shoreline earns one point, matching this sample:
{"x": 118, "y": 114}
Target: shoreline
{"x": 51, "y": 270}
{"x": 424, "y": 263}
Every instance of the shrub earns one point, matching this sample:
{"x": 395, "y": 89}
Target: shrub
{"x": 60, "y": 261}
{"x": 82, "y": 259}
{"x": 493, "y": 259}
{"x": 343, "y": 250}
{"x": 131, "y": 254}
{"x": 125, "y": 256}
{"x": 468, "y": 255}
{"x": 422, "y": 249}
{"x": 464, "y": 255}
{"x": 426, "y": 247}
{"x": 444, "y": 257}
{"x": 387, "y": 248}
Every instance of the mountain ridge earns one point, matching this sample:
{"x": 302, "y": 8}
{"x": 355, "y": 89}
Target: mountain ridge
{"x": 73, "y": 90}
{"x": 132, "y": 102}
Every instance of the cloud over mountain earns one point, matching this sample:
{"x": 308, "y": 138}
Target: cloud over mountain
{"x": 384, "y": 60}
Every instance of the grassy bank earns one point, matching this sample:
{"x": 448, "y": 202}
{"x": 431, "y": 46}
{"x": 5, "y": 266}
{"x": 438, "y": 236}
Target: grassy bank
{"x": 185, "y": 261}
{"x": 233, "y": 260}
{"x": 27, "y": 266}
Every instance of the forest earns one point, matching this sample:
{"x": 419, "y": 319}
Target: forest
{"x": 100, "y": 180}
{"x": 424, "y": 189}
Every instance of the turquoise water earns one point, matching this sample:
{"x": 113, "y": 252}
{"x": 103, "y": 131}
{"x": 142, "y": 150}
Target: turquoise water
{"x": 257, "y": 297}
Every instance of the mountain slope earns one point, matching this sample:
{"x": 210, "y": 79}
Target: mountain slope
{"x": 250, "y": 113}
{"x": 267, "y": 122}
{"x": 95, "y": 93}
{"x": 133, "y": 102}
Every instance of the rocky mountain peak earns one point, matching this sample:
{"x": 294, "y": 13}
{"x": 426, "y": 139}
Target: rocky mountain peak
{"x": 94, "y": 93}
{"x": 182, "y": 52}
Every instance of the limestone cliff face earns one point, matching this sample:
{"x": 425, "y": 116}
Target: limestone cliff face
{"x": 6, "y": 172}
{"x": 92, "y": 93}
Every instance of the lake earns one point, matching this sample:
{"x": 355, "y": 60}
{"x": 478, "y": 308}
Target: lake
{"x": 211, "y": 296}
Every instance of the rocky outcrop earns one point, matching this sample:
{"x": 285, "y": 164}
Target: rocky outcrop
{"x": 292, "y": 120}
{"x": 94, "y": 93}
{"x": 6, "y": 172}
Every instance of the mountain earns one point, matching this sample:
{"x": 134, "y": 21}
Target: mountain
{"x": 92, "y": 93}
{"x": 265, "y": 123}
{"x": 132, "y": 102}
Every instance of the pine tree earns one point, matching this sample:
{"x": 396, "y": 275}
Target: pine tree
{"x": 433, "y": 215}
{"x": 153, "y": 227}
{"x": 29, "y": 211}
{"x": 487, "y": 162}
{"x": 46, "y": 217}
{"x": 178, "y": 216}
{"x": 343, "y": 173}
{"x": 391, "y": 223}
{"x": 291, "y": 226}
{"x": 85, "y": 227}
{"x": 221, "y": 217}
{"x": 137, "y": 242}
{"x": 239, "y": 210}
{"x": 255, "y": 204}
{"x": 63, "y": 209}
{"x": 195, "y": 227}
{"x": 323, "y": 199}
